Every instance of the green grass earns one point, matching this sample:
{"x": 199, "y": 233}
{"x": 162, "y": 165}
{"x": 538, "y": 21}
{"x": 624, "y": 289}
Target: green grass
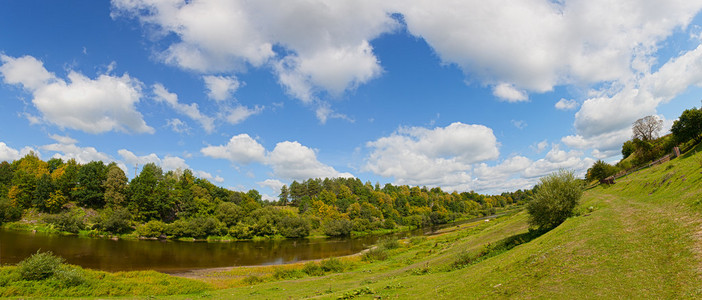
{"x": 640, "y": 238}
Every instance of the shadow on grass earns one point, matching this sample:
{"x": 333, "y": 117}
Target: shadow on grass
{"x": 499, "y": 247}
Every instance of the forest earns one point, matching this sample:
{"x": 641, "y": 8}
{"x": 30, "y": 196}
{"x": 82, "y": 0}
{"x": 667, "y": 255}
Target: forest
{"x": 97, "y": 199}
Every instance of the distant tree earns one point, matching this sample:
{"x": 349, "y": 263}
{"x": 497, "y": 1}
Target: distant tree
{"x": 647, "y": 128}
{"x": 688, "y": 126}
{"x": 283, "y": 197}
{"x": 142, "y": 193}
{"x": 556, "y": 196}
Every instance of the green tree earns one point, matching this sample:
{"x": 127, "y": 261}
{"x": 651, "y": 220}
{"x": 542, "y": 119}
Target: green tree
{"x": 600, "y": 170}
{"x": 688, "y": 126}
{"x": 90, "y": 189}
{"x": 115, "y": 186}
{"x": 556, "y": 196}
{"x": 283, "y": 197}
{"x": 143, "y": 197}
{"x": 628, "y": 148}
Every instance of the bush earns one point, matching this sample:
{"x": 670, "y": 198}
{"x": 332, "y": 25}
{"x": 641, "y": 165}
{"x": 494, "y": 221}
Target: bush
{"x": 199, "y": 227}
{"x": 340, "y": 227}
{"x": 313, "y": 269}
{"x": 39, "y": 266}
{"x": 9, "y": 213}
{"x": 554, "y": 199}
{"x": 69, "y": 276}
{"x": 114, "y": 221}
{"x": 375, "y": 254}
{"x": 284, "y": 273}
{"x": 294, "y": 227}
{"x": 70, "y": 221}
{"x": 332, "y": 265}
{"x": 600, "y": 170}
{"x": 151, "y": 229}
{"x": 241, "y": 231}
{"x": 390, "y": 243}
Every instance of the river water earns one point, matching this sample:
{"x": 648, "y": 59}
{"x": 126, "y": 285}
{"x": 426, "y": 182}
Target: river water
{"x": 177, "y": 256}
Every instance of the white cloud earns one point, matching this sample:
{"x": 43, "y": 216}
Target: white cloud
{"x": 82, "y": 155}
{"x": 132, "y": 159}
{"x": 92, "y": 105}
{"x": 240, "y": 149}
{"x": 8, "y": 154}
{"x": 329, "y": 52}
{"x": 240, "y": 113}
{"x": 190, "y": 110}
{"x": 565, "y": 104}
{"x": 509, "y": 93}
{"x": 545, "y": 43}
{"x": 66, "y": 140}
{"x": 439, "y": 156}
{"x": 220, "y": 88}
{"x": 171, "y": 163}
{"x": 178, "y": 126}
{"x": 540, "y": 146}
{"x": 273, "y": 184}
{"x": 292, "y": 160}
{"x": 208, "y": 176}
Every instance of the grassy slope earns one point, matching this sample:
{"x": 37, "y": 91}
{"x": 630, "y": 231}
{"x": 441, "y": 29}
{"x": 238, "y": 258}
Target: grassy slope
{"x": 642, "y": 239}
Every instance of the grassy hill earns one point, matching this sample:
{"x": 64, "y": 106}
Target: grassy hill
{"x": 639, "y": 238}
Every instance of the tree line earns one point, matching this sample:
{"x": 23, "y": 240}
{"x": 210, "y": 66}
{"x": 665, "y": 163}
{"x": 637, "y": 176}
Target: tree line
{"x": 98, "y": 198}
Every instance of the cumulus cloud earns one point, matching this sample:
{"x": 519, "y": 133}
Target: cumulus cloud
{"x": 190, "y": 110}
{"x": 208, "y": 176}
{"x": 220, "y": 88}
{"x": 604, "y": 121}
{"x": 8, "y": 153}
{"x": 289, "y": 160}
{"x": 292, "y": 160}
{"x": 565, "y": 104}
{"x": 329, "y": 51}
{"x": 418, "y": 155}
{"x": 509, "y": 93}
{"x": 98, "y": 105}
{"x": 240, "y": 149}
{"x": 273, "y": 184}
{"x": 132, "y": 159}
{"x": 82, "y": 155}
{"x": 547, "y": 43}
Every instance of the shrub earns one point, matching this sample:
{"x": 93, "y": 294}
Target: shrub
{"x": 241, "y": 231}
{"x": 69, "y": 276}
{"x": 313, "y": 269}
{"x": 600, "y": 170}
{"x": 284, "y": 273}
{"x": 389, "y": 224}
{"x": 332, "y": 265}
{"x": 114, "y": 221}
{"x": 390, "y": 243}
{"x": 294, "y": 227}
{"x": 340, "y": 227}
{"x": 9, "y": 213}
{"x": 375, "y": 254}
{"x": 554, "y": 199}
{"x": 152, "y": 229}
{"x": 71, "y": 221}
{"x": 40, "y": 265}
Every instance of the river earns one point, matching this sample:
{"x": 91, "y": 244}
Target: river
{"x": 177, "y": 256}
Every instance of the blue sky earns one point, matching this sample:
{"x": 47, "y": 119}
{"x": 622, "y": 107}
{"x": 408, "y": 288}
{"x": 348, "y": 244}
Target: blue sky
{"x": 465, "y": 95}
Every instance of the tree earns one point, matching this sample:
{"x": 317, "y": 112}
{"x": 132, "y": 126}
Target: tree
{"x": 142, "y": 191}
{"x": 688, "y": 126}
{"x": 600, "y": 170}
{"x": 283, "y": 195}
{"x": 628, "y": 148}
{"x": 115, "y": 186}
{"x": 556, "y": 196}
{"x": 90, "y": 190}
{"x": 647, "y": 128}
